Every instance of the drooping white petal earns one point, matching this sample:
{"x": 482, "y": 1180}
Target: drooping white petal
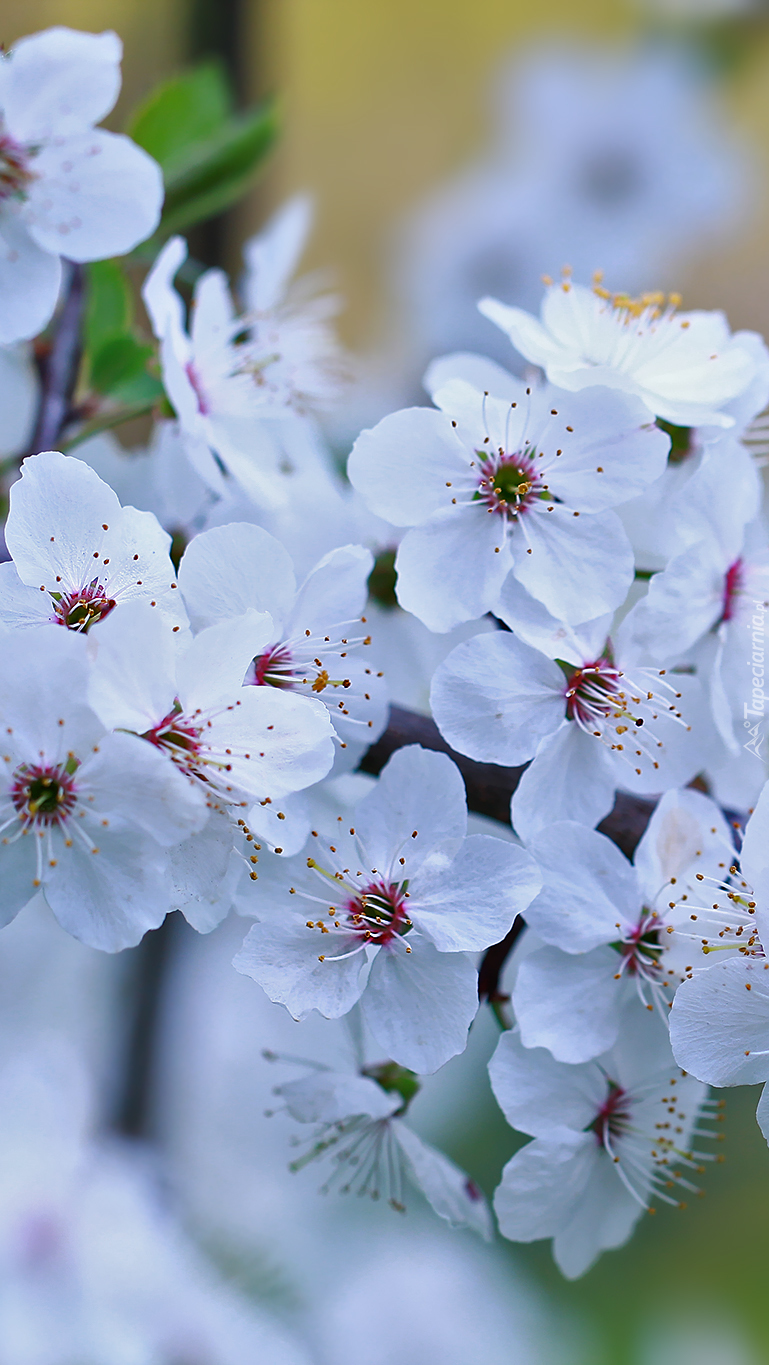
{"x": 420, "y": 1006}
{"x": 19, "y": 396}
{"x": 30, "y": 279}
{"x": 446, "y": 1187}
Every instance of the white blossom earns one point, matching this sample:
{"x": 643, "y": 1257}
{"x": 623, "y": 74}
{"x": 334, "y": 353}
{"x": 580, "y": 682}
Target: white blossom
{"x": 401, "y": 889}
{"x": 77, "y": 554}
{"x": 579, "y": 705}
{"x": 611, "y": 1138}
{"x": 242, "y": 386}
{"x": 686, "y": 367}
{"x": 615, "y": 931}
{"x": 719, "y": 1024}
{"x": 66, "y": 188}
{"x": 522, "y": 487}
{"x": 83, "y": 813}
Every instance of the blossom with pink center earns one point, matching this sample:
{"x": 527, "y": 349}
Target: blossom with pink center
{"x": 707, "y": 610}
{"x": 520, "y": 486}
{"x": 319, "y": 647}
{"x": 397, "y": 900}
{"x": 615, "y": 932}
{"x": 85, "y": 816}
{"x": 235, "y": 746}
{"x": 77, "y": 554}
{"x": 589, "y": 716}
{"x": 66, "y": 188}
{"x": 611, "y": 1139}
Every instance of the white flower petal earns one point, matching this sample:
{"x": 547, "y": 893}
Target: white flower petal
{"x": 472, "y": 904}
{"x": 420, "y": 1006}
{"x": 494, "y": 698}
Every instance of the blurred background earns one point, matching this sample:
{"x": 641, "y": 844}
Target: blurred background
{"x": 454, "y": 148}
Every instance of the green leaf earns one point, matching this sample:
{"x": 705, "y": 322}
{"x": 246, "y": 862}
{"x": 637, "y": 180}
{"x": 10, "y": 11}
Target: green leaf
{"x": 109, "y": 308}
{"x": 214, "y": 174}
{"x": 117, "y": 362}
{"x": 182, "y": 112}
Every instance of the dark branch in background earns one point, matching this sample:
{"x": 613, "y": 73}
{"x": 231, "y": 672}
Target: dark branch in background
{"x": 489, "y": 789}
{"x": 60, "y": 366}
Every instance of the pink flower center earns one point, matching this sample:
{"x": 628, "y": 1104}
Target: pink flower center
{"x": 379, "y": 912}
{"x": 733, "y": 583}
{"x": 508, "y": 484}
{"x": 179, "y": 737}
{"x": 273, "y": 668}
{"x": 43, "y": 794}
{"x": 613, "y": 1116}
{"x": 80, "y": 609}
{"x": 15, "y": 175}
{"x": 593, "y": 692}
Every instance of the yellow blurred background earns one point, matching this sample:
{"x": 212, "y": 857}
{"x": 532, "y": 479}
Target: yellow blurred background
{"x": 385, "y": 98}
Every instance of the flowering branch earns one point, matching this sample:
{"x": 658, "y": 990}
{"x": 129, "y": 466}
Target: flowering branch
{"x": 489, "y": 790}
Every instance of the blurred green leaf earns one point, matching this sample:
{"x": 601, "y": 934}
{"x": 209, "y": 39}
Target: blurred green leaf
{"x": 182, "y": 112}
{"x": 214, "y": 174}
{"x": 109, "y": 308}
{"x": 119, "y": 361}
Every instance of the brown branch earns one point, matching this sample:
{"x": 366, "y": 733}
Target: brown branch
{"x": 61, "y": 365}
{"x": 489, "y": 791}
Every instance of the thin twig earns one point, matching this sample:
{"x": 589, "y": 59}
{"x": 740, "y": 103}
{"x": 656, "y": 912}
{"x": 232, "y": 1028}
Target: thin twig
{"x": 61, "y": 366}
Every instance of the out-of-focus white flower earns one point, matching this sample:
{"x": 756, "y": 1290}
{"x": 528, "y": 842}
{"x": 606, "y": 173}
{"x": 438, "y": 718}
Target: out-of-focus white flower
{"x": 243, "y": 386}
{"x": 611, "y": 1137}
{"x": 591, "y": 714}
{"x": 360, "y": 1129}
{"x": 597, "y": 157}
{"x": 156, "y": 478}
{"x": 66, "y": 188}
{"x": 82, "y": 813}
{"x": 492, "y": 488}
{"x": 77, "y": 554}
{"x": 94, "y": 1265}
{"x": 686, "y": 367}
{"x": 404, "y": 886}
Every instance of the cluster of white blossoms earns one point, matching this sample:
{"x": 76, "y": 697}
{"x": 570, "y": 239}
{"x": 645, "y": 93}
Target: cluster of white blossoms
{"x": 182, "y": 733}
